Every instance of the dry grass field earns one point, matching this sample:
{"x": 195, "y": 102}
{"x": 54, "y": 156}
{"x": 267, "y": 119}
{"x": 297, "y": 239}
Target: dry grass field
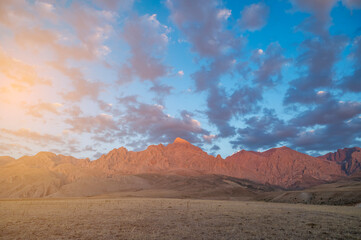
{"x": 152, "y": 218}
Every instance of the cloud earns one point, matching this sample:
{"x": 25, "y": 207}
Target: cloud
{"x": 74, "y": 111}
{"x": 32, "y": 136}
{"x": 209, "y": 138}
{"x": 12, "y": 148}
{"x": 219, "y": 112}
{"x": 317, "y": 63}
{"x": 320, "y": 9}
{"x": 37, "y": 110}
{"x": 215, "y": 148}
{"x": 270, "y": 67}
{"x": 77, "y": 33}
{"x": 264, "y": 132}
{"x": 104, "y": 128}
{"x": 123, "y": 5}
{"x": 254, "y": 17}
{"x": 222, "y": 108}
{"x": 202, "y": 23}
{"x": 92, "y": 124}
{"x": 326, "y": 127}
{"x": 91, "y": 26}
{"x": 106, "y": 107}
{"x": 161, "y": 91}
{"x": 14, "y": 12}
{"x": 63, "y": 43}
{"x": 318, "y": 54}
{"x": 18, "y": 73}
{"x": 331, "y": 112}
{"x": 351, "y": 83}
{"x": 209, "y": 77}
{"x": 330, "y": 137}
{"x": 37, "y": 39}
{"x": 352, "y": 4}
{"x": 82, "y": 87}
{"x": 147, "y": 39}
{"x": 322, "y": 121}
{"x": 153, "y": 125}
{"x": 295, "y": 95}
{"x": 224, "y": 13}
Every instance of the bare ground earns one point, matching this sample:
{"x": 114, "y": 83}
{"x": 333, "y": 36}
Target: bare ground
{"x": 152, "y": 218}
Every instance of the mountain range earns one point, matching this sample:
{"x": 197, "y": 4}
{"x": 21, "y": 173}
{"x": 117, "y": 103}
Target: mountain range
{"x": 178, "y": 166}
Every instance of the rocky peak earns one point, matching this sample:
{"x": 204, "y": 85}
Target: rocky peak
{"x": 348, "y": 158}
{"x": 181, "y": 141}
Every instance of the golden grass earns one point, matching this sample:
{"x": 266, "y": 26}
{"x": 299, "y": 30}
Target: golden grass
{"x": 151, "y": 218}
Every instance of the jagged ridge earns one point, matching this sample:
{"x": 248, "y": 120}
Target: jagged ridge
{"x": 46, "y": 173}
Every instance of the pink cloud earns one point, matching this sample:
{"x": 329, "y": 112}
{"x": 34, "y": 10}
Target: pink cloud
{"x": 19, "y": 73}
{"x": 147, "y": 39}
{"x": 92, "y": 124}
{"x": 33, "y": 136}
{"x": 38, "y": 110}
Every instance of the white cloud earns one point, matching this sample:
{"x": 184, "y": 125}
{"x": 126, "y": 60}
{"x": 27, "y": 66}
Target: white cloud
{"x": 195, "y": 123}
{"x": 209, "y": 138}
{"x": 45, "y": 6}
{"x": 160, "y": 107}
{"x": 224, "y": 13}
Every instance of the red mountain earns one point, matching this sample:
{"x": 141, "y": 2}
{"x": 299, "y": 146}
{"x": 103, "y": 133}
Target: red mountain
{"x": 282, "y": 167}
{"x": 177, "y": 157}
{"x": 48, "y": 174}
{"x": 279, "y": 166}
{"x": 348, "y": 158}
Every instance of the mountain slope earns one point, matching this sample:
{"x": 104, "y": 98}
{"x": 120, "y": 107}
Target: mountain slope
{"x": 40, "y": 175}
{"x": 348, "y": 158}
{"x": 179, "y": 156}
{"x": 183, "y": 164}
{"x": 282, "y": 167}
{"x": 279, "y": 166}
{"x": 5, "y": 159}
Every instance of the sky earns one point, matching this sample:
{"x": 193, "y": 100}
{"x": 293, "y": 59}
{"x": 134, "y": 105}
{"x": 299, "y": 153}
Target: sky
{"x": 81, "y": 78}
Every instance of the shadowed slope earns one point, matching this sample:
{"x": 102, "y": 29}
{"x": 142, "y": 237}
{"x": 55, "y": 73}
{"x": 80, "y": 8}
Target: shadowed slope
{"x": 348, "y": 158}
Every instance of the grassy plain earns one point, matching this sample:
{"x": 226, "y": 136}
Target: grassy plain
{"x": 153, "y": 218}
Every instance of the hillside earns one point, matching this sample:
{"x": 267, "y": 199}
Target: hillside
{"x": 179, "y": 168}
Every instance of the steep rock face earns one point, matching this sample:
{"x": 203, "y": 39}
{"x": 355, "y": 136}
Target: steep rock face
{"x": 283, "y": 167}
{"x": 280, "y": 166}
{"x": 348, "y": 158}
{"x": 177, "y": 157}
{"x": 47, "y": 174}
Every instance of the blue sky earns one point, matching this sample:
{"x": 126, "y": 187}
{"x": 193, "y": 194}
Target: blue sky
{"x": 83, "y": 77}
